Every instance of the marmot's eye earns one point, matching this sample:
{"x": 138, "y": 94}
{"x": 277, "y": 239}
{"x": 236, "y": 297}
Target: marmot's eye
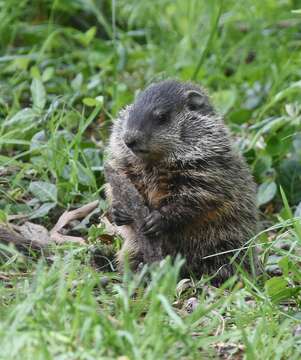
{"x": 160, "y": 115}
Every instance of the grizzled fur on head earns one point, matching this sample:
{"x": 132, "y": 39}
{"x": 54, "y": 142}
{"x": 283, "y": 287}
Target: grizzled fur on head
{"x": 169, "y": 121}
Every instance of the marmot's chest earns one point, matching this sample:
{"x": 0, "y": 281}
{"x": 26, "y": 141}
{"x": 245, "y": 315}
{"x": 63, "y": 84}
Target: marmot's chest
{"x": 154, "y": 185}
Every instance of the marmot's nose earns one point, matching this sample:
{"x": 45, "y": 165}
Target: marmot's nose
{"x": 135, "y": 142}
{"x": 131, "y": 143}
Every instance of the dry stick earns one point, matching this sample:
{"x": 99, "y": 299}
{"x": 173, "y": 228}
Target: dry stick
{"x": 17, "y": 217}
{"x": 68, "y": 216}
{"x": 27, "y": 242}
{"x": 126, "y": 195}
{"x": 10, "y": 236}
{"x": 79, "y": 213}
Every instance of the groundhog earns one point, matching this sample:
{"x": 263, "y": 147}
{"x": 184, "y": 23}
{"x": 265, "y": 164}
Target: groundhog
{"x": 177, "y": 152}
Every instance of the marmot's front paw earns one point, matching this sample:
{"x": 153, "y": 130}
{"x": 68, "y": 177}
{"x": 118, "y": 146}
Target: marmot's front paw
{"x": 120, "y": 217}
{"x": 153, "y": 224}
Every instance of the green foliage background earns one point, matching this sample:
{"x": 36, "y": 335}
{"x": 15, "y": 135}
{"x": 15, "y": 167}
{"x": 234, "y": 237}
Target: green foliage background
{"x": 66, "y": 69}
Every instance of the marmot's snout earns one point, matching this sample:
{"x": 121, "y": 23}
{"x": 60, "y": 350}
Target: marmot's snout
{"x": 135, "y": 141}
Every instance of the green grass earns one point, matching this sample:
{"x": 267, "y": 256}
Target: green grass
{"x": 66, "y": 68}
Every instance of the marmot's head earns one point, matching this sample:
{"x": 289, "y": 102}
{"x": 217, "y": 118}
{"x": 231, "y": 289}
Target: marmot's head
{"x": 167, "y": 119}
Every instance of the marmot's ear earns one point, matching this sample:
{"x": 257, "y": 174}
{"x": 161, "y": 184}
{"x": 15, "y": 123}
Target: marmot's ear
{"x": 195, "y": 100}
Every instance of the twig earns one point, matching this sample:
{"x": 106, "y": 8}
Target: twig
{"x": 68, "y": 216}
{"x": 8, "y": 235}
{"x": 61, "y": 239}
{"x": 35, "y": 237}
{"x": 17, "y": 217}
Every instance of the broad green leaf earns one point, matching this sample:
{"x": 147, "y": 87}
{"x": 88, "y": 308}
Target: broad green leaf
{"x": 21, "y": 63}
{"x": 77, "y": 82}
{"x": 284, "y": 264}
{"x": 224, "y": 100}
{"x": 38, "y": 140}
{"x": 44, "y": 191}
{"x": 278, "y": 145}
{"x": 89, "y": 102}
{"x": 48, "y": 74}
{"x": 42, "y": 210}
{"x": 262, "y": 165}
{"x": 278, "y": 289}
{"x": 93, "y": 102}
{"x": 266, "y": 192}
{"x": 38, "y": 94}
{"x": 35, "y": 72}
{"x": 268, "y": 126}
{"x": 23, "y": 116}
{"x": 294, "y": 87}
{"x": 3, "y": 216}
{"x": 240, "y": 116}
{"x": 90, "y": 34}
{"x": 93, "y": 158}
{"x": 289, "y": 177}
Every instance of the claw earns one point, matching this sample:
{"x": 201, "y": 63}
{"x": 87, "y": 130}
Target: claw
{"x": 152, "y": 224}
{"x": 120, "y": 217}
